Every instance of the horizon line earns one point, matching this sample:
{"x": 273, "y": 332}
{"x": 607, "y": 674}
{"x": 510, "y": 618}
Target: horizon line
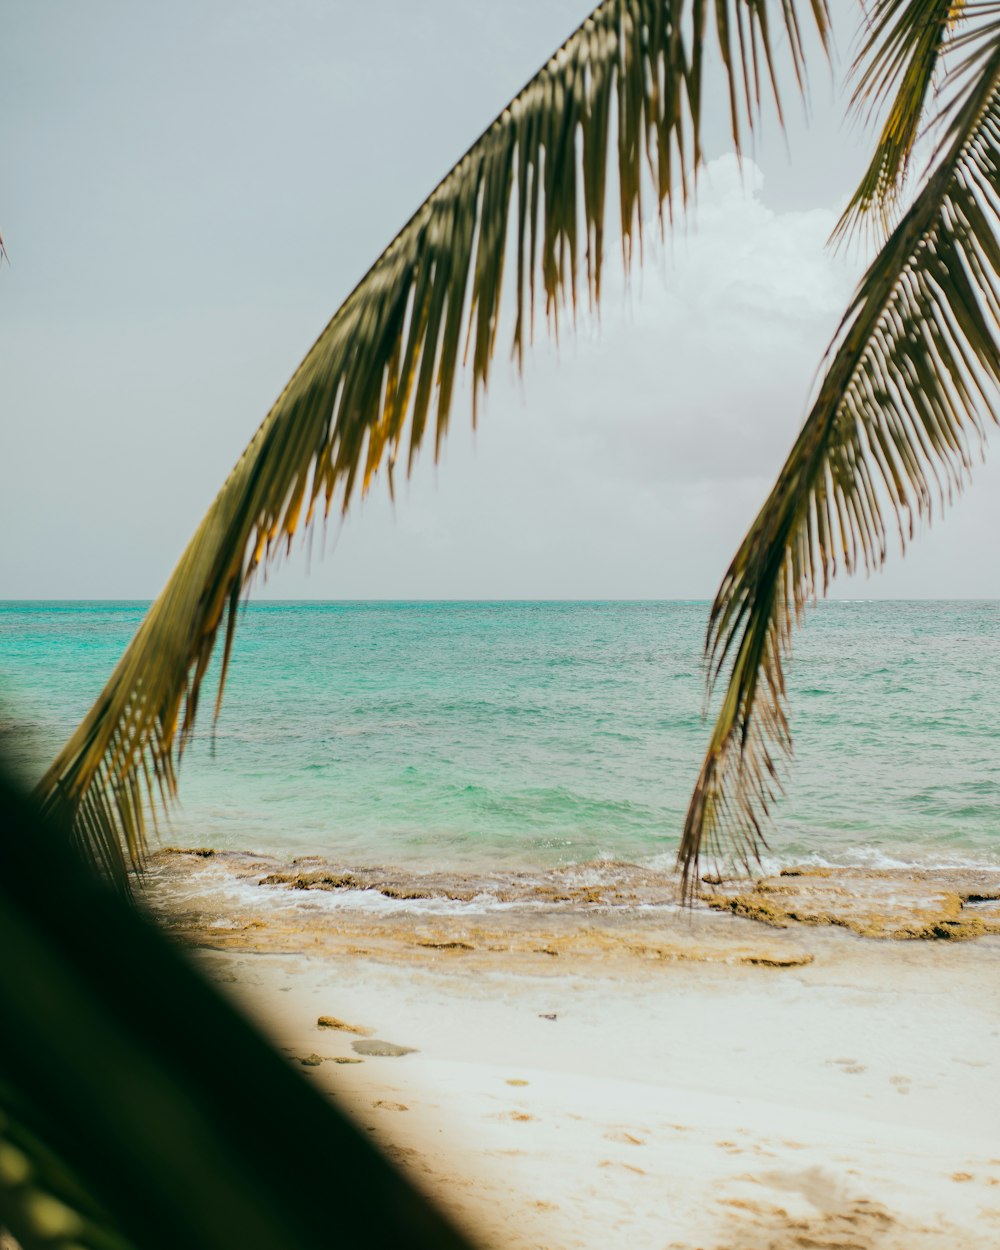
{"x": 257, "y": 600}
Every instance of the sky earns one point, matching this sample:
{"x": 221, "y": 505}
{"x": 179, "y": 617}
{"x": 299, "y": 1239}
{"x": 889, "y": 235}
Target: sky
{"x": 188, "y": 193}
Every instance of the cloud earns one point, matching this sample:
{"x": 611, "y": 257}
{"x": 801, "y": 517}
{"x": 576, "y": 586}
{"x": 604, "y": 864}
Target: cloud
{"x": 631, "y": 458}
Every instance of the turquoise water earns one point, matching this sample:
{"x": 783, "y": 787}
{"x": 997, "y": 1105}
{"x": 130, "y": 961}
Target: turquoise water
{"x": 521, "y": 734}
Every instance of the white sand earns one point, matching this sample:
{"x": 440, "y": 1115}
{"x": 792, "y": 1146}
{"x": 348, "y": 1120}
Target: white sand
{"x": 849, "y": 1104}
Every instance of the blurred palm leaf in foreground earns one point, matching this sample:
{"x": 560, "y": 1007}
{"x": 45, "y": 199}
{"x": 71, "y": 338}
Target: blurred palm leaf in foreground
{"x": 623, "y": 95}
{"x": 139, "y": 1109}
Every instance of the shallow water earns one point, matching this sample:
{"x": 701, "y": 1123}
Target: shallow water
{"x": 512, "y": 735}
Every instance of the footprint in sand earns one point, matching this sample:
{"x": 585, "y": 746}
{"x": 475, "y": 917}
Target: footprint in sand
{"x": 625, "y": 1138}
{"x": 811, "y": 1208}
{"x": 848, "y": 1065}
{"x": 385, "y": 1105}
{"x": 902, "y": 1084}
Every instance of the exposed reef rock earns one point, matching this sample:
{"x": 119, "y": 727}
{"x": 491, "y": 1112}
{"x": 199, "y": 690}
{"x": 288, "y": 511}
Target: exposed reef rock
{"x": 331, "y": 1022}
{"x": 610, "y": 917}
{"x": 902, "y": 904}
{"x": 602, "y": 884}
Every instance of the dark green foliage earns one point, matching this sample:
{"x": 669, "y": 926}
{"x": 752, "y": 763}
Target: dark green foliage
{"x": 138, "y": 1108}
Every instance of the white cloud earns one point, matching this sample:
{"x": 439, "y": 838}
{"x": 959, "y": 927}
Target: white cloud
{"x": 631, "y": 458}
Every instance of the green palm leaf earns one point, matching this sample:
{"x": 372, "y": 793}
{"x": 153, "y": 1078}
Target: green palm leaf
{"x": 901, "y": 56}
{"x": 139, "y": 1108}
{"x": 623, "y": 92}
{"x": 43, "y": 1202}
{"x": 911, "y": 379}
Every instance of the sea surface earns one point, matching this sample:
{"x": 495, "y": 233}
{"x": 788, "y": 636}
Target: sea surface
{"x": 511, "y": 736}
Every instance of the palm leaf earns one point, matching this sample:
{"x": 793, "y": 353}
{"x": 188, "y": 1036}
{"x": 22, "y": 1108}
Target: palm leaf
{"x": 623, "y": 92}
{"x": 901, "y": 56}
{"x": 139, "y": 1108}
{"x": 43, "y": 1202}
{"x": 911, "y": 378}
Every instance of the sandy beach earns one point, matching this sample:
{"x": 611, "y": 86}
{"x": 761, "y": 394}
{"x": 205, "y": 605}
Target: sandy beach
{"x": 560, "y": 1071}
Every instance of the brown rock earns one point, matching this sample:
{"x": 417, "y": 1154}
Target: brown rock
{"x": 331, "y": 1022}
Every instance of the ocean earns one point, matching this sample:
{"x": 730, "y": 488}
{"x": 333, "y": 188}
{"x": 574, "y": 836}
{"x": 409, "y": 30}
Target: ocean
{"x": 511, "y": 736}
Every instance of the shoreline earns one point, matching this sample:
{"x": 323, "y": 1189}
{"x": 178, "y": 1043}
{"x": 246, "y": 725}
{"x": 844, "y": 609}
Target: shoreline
{"x": 574, "y": 1074}
{"x": 613, "y": 897}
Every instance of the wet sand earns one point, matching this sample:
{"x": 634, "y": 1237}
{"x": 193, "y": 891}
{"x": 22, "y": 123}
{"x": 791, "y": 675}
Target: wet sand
{"x": 581, "y": 1064}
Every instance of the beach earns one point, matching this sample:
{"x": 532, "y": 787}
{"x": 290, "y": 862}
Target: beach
{"x": 462, "y": 825}
{"x": 574, "y": 1061}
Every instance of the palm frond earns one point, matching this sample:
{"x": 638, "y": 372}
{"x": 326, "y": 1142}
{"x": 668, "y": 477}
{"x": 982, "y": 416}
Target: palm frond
{"x": 903, "y": 68}
{"x": 900, "y": 57}
{"x": 624, "y": 93}
{"x": 120, "y": 1127}
{"x": 42, "y": 1201}
{"x": 910, "y": 382}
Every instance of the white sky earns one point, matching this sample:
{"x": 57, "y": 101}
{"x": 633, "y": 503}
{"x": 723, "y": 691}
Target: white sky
{"x": 190, "y": 190}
